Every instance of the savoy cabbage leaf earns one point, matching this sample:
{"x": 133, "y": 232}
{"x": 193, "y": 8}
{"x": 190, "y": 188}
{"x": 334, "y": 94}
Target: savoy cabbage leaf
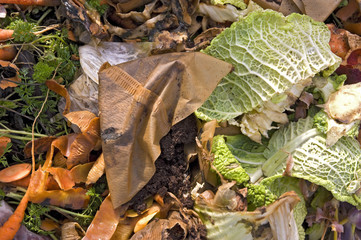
{"x": 225, "y": 162}
{"x": 304, "y": 150}
{"x": 270, "y": 53}
{"x": 284, "y": 141}
{"x": 238, "y": 3}
{"x": 336, "y": 168}
{"x": 248, "y": 153}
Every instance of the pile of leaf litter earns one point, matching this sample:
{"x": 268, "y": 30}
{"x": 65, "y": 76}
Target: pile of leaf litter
{"x": 175, "y": 119}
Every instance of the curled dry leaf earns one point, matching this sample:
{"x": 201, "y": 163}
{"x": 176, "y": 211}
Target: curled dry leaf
{"x": 128, "y": 5}
{"x": 204, "y": 142}
{"x": 146, "y": 217}
{"x": 81, "y": 171}
{"x": 41, "y": 145}
{"x": 125, "y": 229}
{"x": 9, "y": 74}
{"x": 61, "y": 90}
{"x": 62, "y": 176}
{"x": 166, "y": 41}
{"x": 71, "y": 231}
{"x": 15, "y": 172}
{"x": 75, "y": 198}
{"x": 4, "y": 141}
{"x": 174, "y": 225}
{"x": 348, "y": 14}
{"x": 104, "y": 223}
{"x": 96, "y": 171}
{"x": 81, "y": 118}
{"x": 84, "y": 143}
{"x": 62, "y": 143}
{"x": 204, "y": 39}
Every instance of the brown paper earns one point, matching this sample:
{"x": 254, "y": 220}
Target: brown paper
{"x": 287, "y": 7}
{"x": 139, "y": 101}
{"x": 320, "y": 10}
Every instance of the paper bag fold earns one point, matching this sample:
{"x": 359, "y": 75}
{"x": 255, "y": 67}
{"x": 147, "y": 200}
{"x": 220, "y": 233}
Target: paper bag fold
{"x": 139, "y": 101}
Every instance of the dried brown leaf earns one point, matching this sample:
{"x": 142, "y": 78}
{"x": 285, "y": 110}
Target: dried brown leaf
{"x": 81, "y": 171}
{"x": 81, "y": 118}
{"x": 41, "y": 145}
{"x": 10, "y": 69}
{"x": 104, "y": 223}
{"x": 61, "y": 90}
{"x": 63, "y": 177}
{"x": 72, "y": 231}
{"x": 97, "y": 170}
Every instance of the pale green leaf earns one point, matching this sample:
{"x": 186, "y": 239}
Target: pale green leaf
{"x": 270, "y": 53}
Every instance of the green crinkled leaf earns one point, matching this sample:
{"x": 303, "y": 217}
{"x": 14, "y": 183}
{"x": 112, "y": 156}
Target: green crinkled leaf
{"x": 283, "y": 142}
{"x": 270, "y": 53}
{"x": 225, "y": 163}
{"x": 237, "y": 3}
{"x": 248, "y": 153}
{"x": 336, "y": 168}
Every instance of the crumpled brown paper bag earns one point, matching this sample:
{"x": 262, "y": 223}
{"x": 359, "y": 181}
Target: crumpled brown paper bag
{"x": 139, "y": 101}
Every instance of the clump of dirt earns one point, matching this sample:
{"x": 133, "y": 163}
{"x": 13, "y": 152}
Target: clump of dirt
{"x": 172, "y": 173}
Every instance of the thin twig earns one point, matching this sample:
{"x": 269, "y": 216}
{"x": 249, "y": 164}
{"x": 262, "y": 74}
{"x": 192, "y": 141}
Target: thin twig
{"x": 48, "y": 28}
{"x": 9, "y": 131}
{"x": 17, "y": 54}
{"x": 33, "y": 134}
{"x": 21, "y": 12}
{"x": 11, "y": 110}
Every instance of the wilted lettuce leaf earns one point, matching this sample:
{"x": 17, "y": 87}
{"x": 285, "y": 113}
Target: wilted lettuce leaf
{"x": 336, "y": 168}
{"x": 270, "y": 53}
{"x": 248, "y": 153}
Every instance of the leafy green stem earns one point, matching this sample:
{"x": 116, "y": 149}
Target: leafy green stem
{"x": 280, "y": 156}
{"x": 61, "y": 210}
{"x": 9, "y": 131}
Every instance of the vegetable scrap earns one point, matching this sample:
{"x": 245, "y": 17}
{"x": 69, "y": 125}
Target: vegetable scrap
{"x": 159, "y": 119}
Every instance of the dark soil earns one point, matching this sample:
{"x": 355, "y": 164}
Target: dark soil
{"x": 172, "y": 173}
